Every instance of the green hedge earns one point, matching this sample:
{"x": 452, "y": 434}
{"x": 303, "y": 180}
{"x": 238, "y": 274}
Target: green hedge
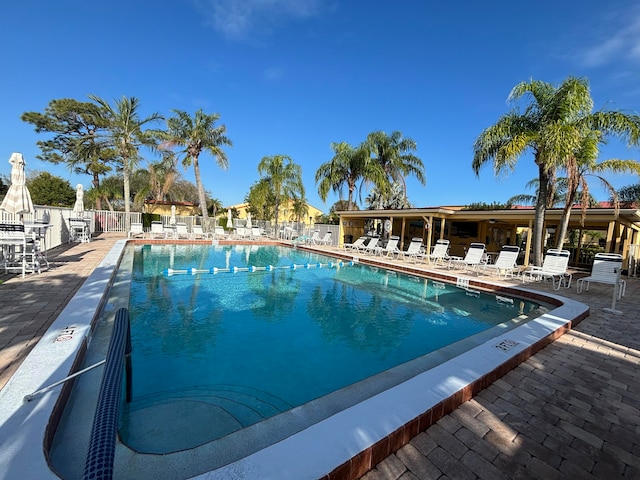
{"x": 147, "y": 218}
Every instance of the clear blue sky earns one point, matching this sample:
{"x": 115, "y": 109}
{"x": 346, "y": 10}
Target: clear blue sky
{"x": 291, "y": 76}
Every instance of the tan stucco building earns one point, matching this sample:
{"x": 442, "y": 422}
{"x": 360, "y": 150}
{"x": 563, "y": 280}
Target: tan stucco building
{"x": 602, "y": 230}
{"x": 284, "y": 215}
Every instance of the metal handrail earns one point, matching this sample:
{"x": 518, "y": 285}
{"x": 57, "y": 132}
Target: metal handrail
{"x": 101, "y": 453}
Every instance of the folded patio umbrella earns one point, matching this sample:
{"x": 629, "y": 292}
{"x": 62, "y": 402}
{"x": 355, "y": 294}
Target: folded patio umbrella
{"x": 18, "y": 199}
{"x": 78, "y": 207}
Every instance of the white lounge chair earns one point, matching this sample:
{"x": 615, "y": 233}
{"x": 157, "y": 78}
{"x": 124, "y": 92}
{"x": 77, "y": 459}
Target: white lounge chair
{"x": 355, "y": 245}
{"x": 219, "y": 232}
{"x": 326, "y": 240}
{"x": 369, "y": 246}
{"x": 554, "y": 267}
{"x": 157, "y": 230}
{"x": 606, "y": 268}
{"x": 506, "y": 261}
{"x": 182, "y": 231}
{"x": 390, "y": 249}
{"x": 198, "y": 233}
{"x": 440, "y": 252}
{"x": 315, "y": 238}
{"x": 136, "y": 230}
{"x": 256, "y": 234}
{"x": 242, "y": 233}
{"x": 473, "y": 258}
{"x": 414, "y": 250}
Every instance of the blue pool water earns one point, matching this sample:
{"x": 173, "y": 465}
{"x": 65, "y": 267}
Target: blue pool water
{"x": 216, "y": 352}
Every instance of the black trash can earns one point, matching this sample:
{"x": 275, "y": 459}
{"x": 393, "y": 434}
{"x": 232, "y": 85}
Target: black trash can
{"x": 348, "y": 239}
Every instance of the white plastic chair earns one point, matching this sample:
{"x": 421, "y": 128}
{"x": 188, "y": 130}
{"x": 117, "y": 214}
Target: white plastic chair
{"x": 606, "y": 268}
{"x": 136, "y": 230}
{"x": 157, "y": 230}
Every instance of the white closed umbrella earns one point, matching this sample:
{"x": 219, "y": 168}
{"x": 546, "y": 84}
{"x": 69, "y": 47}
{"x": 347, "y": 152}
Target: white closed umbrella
{"x": 249, "y": 224}
{"x": 18, "y": 199}
{"x": 78, "y": 207}
{"x": 172, "y": 220}
{"x": 229, "y": 219}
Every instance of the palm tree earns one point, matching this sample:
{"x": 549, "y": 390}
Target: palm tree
{"x": 558, "y": 198}
{"x": 109, "y": 190}
{"x": 553, "y": 127}
{"x": 394, "y": 198}
{"x": 284, "y": 178}
{"x": 299, "y": 208}
{"x": 582, "y": 165}
{"x": 125, "y": 135}
{"x": 196, "y": 135}
{"x": 348, "y": 166}
{"x": 393, "y": 155}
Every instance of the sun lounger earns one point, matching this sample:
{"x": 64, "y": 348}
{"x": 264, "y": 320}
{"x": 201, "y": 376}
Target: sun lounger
{"x": 136, "y": 230}
{"x": 390, "y": 249}
{"x": 414, "y": 250}
{"x": 472, "y": 260}
{"x": 157, "y": 230}
{"x": 506, "y": 261}
{"x": 440, "y": 252}
{"x": 554, "y": 267}
{"x": 355, "y": 245}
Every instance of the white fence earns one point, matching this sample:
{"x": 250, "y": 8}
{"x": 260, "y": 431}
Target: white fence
{"x": 107, "y": 221}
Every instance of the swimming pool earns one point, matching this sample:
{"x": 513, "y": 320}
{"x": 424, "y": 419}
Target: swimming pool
{"x": 214, "y": 353}
{"x": 322, "y": 420}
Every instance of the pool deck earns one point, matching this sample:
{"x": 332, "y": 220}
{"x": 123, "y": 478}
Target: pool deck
{"x": 572, "y": 410}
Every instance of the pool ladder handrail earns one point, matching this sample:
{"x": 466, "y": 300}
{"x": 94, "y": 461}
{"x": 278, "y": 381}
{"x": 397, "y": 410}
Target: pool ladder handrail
{"x": 102, "y": 445}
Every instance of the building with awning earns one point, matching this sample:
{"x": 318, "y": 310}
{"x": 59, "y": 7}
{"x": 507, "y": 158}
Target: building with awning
{"x": 603, "y": 231}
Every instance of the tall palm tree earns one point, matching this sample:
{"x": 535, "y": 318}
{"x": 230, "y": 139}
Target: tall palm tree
{"x": 394, "y": 199}
{"x": 582, "y": 165}
{"x": 553, "y": 127}
{"x": 348, "y": 166}
{"x": 284, "y": 178}
{"x": 299, "y": 208}
{"x": 126, "y": 136}
{"x": 195, "y": 135}
{"x": 393, "y": 154}
{"x": 109, "y": 190}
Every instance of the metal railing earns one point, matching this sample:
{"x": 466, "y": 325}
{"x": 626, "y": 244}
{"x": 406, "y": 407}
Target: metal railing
{"x": 102, "y": 445}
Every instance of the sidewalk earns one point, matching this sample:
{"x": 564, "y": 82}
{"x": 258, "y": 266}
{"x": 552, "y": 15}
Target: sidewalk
{"x": 571, "y": 411}
{"x": 32, "y": 303}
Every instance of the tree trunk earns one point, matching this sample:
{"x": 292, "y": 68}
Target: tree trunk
{"x": 127, "y": 194}
{"x": 541, "y": 208}
{"x": 96, "y": 186}
{"x": 276, "y": 208}
{"x": 563, "y": 228}
{"x": 201, "y": 195}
